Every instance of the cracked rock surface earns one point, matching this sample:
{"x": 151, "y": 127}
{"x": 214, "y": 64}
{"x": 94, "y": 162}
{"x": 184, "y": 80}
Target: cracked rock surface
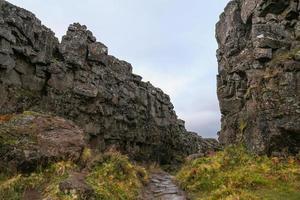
{"x": 259, "y": 75}
{"x": 162, "y": 187}
{"x": 78, "y": 80}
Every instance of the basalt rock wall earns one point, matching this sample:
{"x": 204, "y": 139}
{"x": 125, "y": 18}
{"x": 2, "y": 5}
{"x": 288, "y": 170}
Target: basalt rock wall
{"x": 259, "y": 75}
{"x": 78, "y": 80}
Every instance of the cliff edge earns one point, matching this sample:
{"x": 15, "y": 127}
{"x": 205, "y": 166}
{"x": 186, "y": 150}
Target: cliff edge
{"x": 77, "y": 79}
{"x": 259, "y": 75}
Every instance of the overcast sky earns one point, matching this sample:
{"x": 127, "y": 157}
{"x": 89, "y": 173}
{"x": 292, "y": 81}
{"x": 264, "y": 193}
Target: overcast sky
{"x": 171, "y": 43}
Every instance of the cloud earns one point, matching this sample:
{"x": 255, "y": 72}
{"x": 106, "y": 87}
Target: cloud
{"x": 205, "y": 121}
{"x": 170, "y": 81}
{"x": 169, "y": 42}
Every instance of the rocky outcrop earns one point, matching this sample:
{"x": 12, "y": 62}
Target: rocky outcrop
{"x": 78, "y": 80}
{"x": 31, "y": 140}
{"x": 259, "y": 74}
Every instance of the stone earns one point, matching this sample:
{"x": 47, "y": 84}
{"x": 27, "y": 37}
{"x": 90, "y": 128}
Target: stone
{"x": 6, "y": 47}
{"x": 291, "y": 12}
{"x": 76, "y": 79}
{"x": 161, "y": 186}
{"x": 56, "y": 68}
{"x": 12, "y": 78}
{"x": 96, "y": 51}
{"x": 37, "y": 140}
{"x": 297, "y": 56}
{"x": 86, "y": 91}
{"x": 273, "y": 6}
{"x": 6, "y": 34}
{"x": 226, "y": 31}
{"x": 268, "y": 42}
{"x": 258, "y": 104}
{"x": 40, "y": 71}
{"x": 74, "y": 45}
{"x": 25, "y": 50}
{"x": 6, "y": 62}
{"x": 247, "y": 9}
{"x": 32, "y": 83}
{"x": 76, "y": 184}
{"x": 263, "y": 54}
{"x": 297, "y": 31}
{"x": 61, "y": 82}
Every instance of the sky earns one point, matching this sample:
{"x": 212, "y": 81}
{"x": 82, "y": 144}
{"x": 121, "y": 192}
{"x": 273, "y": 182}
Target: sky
{"x": 170, "y": 43}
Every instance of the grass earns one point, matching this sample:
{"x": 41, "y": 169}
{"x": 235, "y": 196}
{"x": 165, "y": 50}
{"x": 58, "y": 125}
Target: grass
{"x": 45, "y": 181}
{"x": 116, "y": 178}
{"x": 235, "y": 174}
{"x": 113, "y": 177}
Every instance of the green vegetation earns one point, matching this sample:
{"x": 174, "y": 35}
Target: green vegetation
{"x": 242, "y": 127}
{"x": 112, "y": 177}
{"x": 116, "y": 178}
{"x": 235, "y": 174}
{"x": 44, "y": 181}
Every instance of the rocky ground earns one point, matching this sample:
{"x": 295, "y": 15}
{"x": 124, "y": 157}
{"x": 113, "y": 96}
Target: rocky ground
{"x": 162, "y": 187}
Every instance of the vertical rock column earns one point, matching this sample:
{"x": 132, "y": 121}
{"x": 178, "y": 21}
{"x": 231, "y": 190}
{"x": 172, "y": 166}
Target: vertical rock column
{"x": 258, "y": 80}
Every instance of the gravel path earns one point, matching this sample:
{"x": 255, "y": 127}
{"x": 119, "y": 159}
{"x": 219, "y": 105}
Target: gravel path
{"x": 162, "y": 187}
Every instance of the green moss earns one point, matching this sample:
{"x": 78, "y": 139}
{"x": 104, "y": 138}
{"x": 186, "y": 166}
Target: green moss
{"x": 236, "y": 174}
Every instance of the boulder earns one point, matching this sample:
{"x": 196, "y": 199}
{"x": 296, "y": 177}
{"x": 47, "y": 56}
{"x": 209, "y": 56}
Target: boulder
{"x": 76, "y": 184}
{"x": 30, "y": 140}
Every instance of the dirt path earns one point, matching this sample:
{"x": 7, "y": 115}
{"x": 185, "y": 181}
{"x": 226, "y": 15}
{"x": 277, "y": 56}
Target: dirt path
{"x": 162, "y": 187}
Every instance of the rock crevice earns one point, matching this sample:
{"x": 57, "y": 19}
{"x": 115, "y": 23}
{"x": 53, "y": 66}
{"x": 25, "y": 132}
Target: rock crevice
{"x": 77, "y": 79}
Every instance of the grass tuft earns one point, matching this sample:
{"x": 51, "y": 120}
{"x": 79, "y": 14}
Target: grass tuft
{"x": 116, "y": 178}
{"x": 45, "y": 181}
{"x": 236, "y": 174}
{"x": 112, "y": 178}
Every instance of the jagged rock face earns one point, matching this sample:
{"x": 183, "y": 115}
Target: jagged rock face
{"x": 78, "y": 80}
{"x": 259, "y": 77}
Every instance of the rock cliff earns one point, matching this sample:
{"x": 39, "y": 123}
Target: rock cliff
{"x": 78, "y": 80}
{"x": 259, "y": 75}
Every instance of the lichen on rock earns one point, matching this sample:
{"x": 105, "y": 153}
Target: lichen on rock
{"x": 258, "y": 80}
